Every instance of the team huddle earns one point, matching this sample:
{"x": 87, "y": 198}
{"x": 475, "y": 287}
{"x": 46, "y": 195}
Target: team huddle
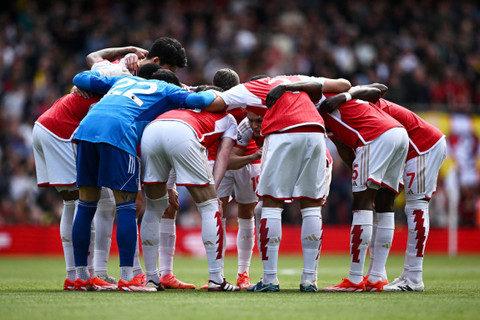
{"x": 130, "y": 132}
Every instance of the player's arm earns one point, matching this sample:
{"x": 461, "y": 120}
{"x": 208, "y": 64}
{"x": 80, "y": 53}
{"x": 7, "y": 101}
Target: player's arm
{"x": 206, "y": 100}
{"x": 346, "y": 153}
{"x": 380, "y": 86}
{"x": 313, "y": 88}
{"x": 238, "y": 159}
{"x": 221, "y": 161}
{"x": 113, "y": 53}
{"x": 360, "y": 92}
{"x": 336, "y": 85}
{"x": 94, "y": 81}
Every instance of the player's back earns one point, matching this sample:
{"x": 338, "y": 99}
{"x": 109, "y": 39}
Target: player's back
{"x": 358, "y": 122}
{"x": 131, "y": 103}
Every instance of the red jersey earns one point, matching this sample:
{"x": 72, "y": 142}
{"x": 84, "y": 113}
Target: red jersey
{"x": 423, "y": 136}
{"x": 292, "y": 110}
{"x": 63, "y": 118}
{"x": 357, "y": 123}
{"x": 209, "y": 127}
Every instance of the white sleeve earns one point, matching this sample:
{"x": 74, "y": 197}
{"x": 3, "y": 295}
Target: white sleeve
{"x": 239, "y": 97}
{"x": 320, "y": 80}
{"x": 108, "y": 69}
{"x": 231, "y": 131}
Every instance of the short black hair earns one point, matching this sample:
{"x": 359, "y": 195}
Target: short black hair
{"x": 147, "y": 70}
{"x": 167, "y": 76}
{"x": 205, "y": 87}
{"x": 169, "y": 51}
{"x": 226, "y": 78}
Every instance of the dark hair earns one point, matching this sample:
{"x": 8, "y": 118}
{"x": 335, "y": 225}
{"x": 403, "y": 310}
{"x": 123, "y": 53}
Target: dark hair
{"x": 147, "y": 70}
{"x": 258, "y": 77}
{"x": 169, "y": 51}
{"x": 205, "y": 87}
{"x": 167, "y": 76}
{"x": 226, "y": 78}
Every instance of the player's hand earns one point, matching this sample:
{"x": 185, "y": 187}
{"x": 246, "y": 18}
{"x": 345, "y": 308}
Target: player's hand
{"x": 173, "y": 198}
{"x": 367, "y": 93}
{"x": 332, "y": 103}
{"x": 140, "y": 52}
{"x": 274, "y": 94}
{"x": 82, "y": 93}
{"x": 258, "y": 154}
{"x": 173, "y": 204}
{"x": 132, "y": 62}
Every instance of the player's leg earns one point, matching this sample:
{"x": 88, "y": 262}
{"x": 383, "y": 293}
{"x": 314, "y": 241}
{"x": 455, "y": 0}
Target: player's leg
{"x": 382, "y": 237}
{"x": 156, "y": 203}
{"x": 270, "y": 234}
{"x": 70, "y": 199}
{"x": 246, "y": 180}
{"x": 311, "y": 239}
{"x": 103, "y": 220}
{"x": 137, "y": 266}
{"x": 360, "y": 237}
{"x": 420, "y": 177}
{"x": 245, "y": 242}
{"x": 81, "y": 232}
{"x": 205, "y": 198}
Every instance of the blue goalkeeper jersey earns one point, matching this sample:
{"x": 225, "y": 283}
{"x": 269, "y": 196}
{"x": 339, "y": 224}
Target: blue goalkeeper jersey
{"x": 128, "y": 105}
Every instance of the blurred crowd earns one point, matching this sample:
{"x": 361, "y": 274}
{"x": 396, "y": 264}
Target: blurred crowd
{"x": 427, "y": 52}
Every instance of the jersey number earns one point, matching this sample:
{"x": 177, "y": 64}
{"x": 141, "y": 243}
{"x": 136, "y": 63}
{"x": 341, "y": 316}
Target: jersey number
{"x": 355, "y": 172}
{"x": 131, "y": 93}
{"x": 412, "y": 176}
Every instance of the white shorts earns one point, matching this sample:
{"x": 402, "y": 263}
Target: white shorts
{"x": 293, "y": 166}
{"x": 173, "y": 144}
{"x": 55, "y": 161}
{"x": 243, "y": 182}
{"x": 421, "y": 173}
{"x": 381, "y": 162}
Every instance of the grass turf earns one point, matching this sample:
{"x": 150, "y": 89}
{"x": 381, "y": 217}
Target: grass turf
{"x": 31, "y": 288}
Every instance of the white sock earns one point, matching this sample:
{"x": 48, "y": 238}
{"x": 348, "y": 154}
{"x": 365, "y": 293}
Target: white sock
{"x": 360, "y": 237}
{"x": 149, "y": 230}
{"x": 212, "y": 237}
{"x": 245, "y": 243}
{"x": 383, "y": 241}
{"x": 270, "y": 237}
{"x": 167, "y": 246}
{"x": 371, "y": 247}
{"x": 82, "y": 273}
{"x": 66, "y": 223}
{"x": 103, "y": 221}
{"x": 258, "y": 216}
{"x": 311, "y": 238}
{"x": 418, "y": 223}
{"x": 126, "y": 273}
{"x": 137, "y": 266}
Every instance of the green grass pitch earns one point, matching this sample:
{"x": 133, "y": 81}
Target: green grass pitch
{"x": 31, "y": 288}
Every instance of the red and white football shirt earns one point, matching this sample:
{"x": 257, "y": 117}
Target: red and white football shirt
{"x": 63, "y": 117}
{"x": 292, "y": 110}
{"x": 423, "y": 136}
{"x": 357, "y": 123}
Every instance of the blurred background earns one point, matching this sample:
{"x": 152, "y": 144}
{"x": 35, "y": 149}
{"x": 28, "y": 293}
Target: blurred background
{"x": 427, "y": 52}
